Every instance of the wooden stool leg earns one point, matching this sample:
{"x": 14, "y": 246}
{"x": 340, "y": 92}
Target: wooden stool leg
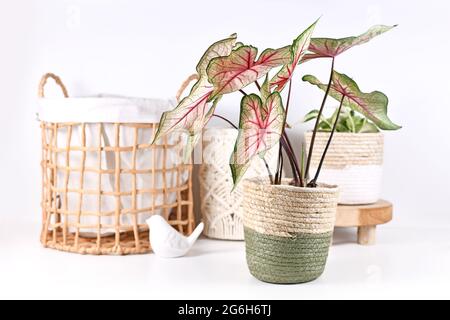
{"x": 367, "y": 235}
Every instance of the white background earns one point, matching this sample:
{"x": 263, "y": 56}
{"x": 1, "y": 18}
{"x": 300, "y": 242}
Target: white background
{"x": 147, "y": 48}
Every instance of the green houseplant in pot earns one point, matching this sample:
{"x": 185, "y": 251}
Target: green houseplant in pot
{"x": 288, "y": 222}
{"x": 354, "y": 159}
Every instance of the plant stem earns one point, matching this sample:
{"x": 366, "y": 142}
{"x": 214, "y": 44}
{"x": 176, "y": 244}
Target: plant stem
{"x": 279, "y": 173}
{"x": 303, "y": 163}
{"x": 295, "y": 164}
{"x": 316, "y": 127}
{"x": 280, "y": 152}
{"x": 226, "y": 120}
{"x": 313, "y": 183}
{"x": 243, "y": 92}
{"x": 287, "y": 106}
{"x": 269, "y": 171}
{"x": 235, "y": 127}
{"x": 257, "y": 85}
{"x": 290, "y": 156}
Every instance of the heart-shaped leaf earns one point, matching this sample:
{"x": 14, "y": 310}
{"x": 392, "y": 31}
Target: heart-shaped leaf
{"x": 194, "y": 133}
{"x": 298, "y": 50}
{"x": 219, "y": 49}
{"x": 193, "y": 112}
{"x": 240, "y": 68}
{"x": 371, "y": 105}
{"x": 261, "y": 126}
{"x": 330, "y": 48}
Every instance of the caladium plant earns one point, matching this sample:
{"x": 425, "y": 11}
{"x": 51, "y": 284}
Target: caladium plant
{"x": 195, "y": 111}
{"x": 261, "y": 126}
{"x": 372, "y": 105}
{"x": 331, "y": 48}
{"x": 229, "y": 66}
{"x": 298, "y": 50}
{"x": 241, "y": 68}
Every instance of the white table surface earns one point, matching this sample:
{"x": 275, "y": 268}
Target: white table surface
{"x": 406, "y": 263}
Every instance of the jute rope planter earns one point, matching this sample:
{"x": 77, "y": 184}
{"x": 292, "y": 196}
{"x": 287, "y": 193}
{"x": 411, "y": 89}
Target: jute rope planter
{"x": 102, "y": 180}
{"x": 288, "y": 230}
{"x": 354, "y": 162}
{"x": 221, "y": 207}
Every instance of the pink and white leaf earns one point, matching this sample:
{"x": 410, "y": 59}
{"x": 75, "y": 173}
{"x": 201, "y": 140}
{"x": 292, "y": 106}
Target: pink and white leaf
{"x": 194, "y": 135}
{"x": 218, "y": 49}
{"x": 265, "y": 89}
{"x": 261, "y": 126}
{"x": 298, "y": 49}
{"x": 240, "y": 68}
{"x": 330, "y": 48}
{"x": 191, "y": 113}
{"x": 194, "y": 111}
{"x": 372, "y": 105}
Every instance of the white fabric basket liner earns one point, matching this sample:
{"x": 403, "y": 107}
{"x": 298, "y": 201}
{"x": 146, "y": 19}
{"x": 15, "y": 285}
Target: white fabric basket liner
{"x": 110, "y": 110}
{"x": 103, "y": 108}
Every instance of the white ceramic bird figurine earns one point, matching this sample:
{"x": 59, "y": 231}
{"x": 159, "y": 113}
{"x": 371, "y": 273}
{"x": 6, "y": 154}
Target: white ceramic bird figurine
{"x": 167, "y": 242}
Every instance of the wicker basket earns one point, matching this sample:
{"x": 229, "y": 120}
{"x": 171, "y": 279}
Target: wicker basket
{"x": 221, "y": 206}
{"x": 288, "y": 230}
{"x": 97, "y": 194}
{"x": 354, "y": 162}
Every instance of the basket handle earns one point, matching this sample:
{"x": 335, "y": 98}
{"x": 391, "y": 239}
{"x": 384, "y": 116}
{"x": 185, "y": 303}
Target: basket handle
{"x": 58, "y": 81}
{"x": 185, "y": 84}
{"x": 41, "y": 93}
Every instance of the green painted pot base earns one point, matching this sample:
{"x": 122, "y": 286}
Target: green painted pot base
{"x": 281, "y": 260}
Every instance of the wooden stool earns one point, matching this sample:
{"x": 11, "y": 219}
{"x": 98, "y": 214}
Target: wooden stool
{"x": 366, "y": 218}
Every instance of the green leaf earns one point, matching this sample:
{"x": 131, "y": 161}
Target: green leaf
{"x": 298, "y": 49}
{"x": 334, "y": 116}
{"x": 369, "y": 127}
{"x": 350, "y": 121}
{"x": 330, "y": 48}
{"x": 261, "y": 126}
{"x": 372, "y": 105}
{"x": 324, "y": 123}
{"x": 239, "y": 69}
{"x": 311, "y": 115}
{"x": 341, "y": 127}
{"x": 359, "y": 123}
{"x": 323, "y": 126}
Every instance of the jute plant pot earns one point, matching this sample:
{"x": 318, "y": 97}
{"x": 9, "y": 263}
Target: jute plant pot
{"x": 288, "y": 230}
{"x": 354, "y": 162}
{"x": 221, "y": 207}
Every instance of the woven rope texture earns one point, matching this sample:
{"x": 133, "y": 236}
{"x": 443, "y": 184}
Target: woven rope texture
{"x": 354, "y": 162}
{"x": 288, "y": 230}
{"x": 347, "y": 149}
{"x": 102, "y": 181}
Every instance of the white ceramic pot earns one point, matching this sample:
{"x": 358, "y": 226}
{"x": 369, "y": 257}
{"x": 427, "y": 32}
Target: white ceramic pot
{"x": 354, "y": 162}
